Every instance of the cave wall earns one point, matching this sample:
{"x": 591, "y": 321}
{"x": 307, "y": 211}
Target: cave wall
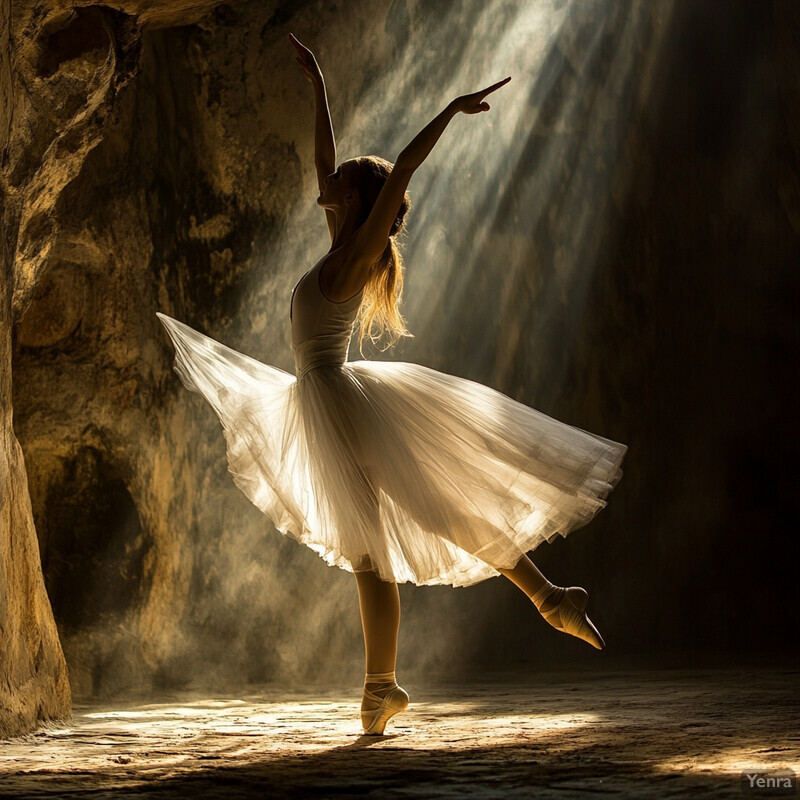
{"x": 64, "y": 67}
{"x": 166, "y": 164}
{"x": 37, "y": 160}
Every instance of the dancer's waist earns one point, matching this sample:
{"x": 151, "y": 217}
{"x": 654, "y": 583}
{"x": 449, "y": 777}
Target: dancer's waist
{"x": 320, "y": 352}
{"x": 316, "y": 368}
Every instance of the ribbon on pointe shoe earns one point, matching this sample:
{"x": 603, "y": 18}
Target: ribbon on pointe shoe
{"x": 381, "y": 707}
{"x": 571, "y": 610}
{"x": 544, "y": 592}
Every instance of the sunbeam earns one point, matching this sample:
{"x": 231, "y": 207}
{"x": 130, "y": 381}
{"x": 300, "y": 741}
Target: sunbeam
{"x": 509, "y": 212}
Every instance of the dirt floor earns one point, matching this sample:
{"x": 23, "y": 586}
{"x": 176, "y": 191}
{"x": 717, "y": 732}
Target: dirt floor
{"x": 664, "y": 733}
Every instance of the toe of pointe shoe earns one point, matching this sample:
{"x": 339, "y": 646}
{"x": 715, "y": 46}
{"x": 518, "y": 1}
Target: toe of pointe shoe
{"x": 596, "y": 639}
{"x": 574, "y": 618}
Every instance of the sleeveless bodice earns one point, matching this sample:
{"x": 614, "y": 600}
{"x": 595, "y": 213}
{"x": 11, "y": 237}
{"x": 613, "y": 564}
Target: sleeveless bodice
{"x": 321, "y": 328}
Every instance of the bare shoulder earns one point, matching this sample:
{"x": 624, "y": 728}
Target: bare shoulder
{"x": 342, "y": 275}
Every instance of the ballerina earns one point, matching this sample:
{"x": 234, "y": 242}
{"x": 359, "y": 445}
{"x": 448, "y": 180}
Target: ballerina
{"x": 392, "y": 470}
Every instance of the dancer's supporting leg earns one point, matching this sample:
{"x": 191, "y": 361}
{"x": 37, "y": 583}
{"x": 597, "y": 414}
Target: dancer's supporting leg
{"x": 379, "y": 602}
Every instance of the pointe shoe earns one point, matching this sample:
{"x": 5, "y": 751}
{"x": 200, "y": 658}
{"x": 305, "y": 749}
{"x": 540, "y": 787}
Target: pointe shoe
{"x": 381, "y": 708}
{"x": 569, "y": 616}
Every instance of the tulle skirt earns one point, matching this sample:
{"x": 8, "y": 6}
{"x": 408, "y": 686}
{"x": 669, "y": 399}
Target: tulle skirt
{"x": 392, "y": 466}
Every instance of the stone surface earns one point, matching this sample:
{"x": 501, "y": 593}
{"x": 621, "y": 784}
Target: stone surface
{"x": 33, "y": 675}
{"x": 681, "y": 734}
{"x": 59, "y": 83}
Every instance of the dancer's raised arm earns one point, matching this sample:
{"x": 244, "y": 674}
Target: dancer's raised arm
{"x": 373, "y": 236}
{"x": 324, "y": 142}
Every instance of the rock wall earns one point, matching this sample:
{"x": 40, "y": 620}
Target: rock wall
{"x": 63, "y": 70}
{"x": 629, "y": 265}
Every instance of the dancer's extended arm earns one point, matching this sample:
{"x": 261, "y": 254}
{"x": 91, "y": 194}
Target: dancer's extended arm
{"x": 324, "y": 142}
{"x": 373, "y": 236}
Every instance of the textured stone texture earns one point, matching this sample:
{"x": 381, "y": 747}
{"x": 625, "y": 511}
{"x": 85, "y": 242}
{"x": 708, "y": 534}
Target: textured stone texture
{"x": 33, "y": 675}
{"x": 62, "y": 72}
{"x": 627, "y": 265}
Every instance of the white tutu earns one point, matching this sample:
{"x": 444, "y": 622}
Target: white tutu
{"x": 435, "y": 478}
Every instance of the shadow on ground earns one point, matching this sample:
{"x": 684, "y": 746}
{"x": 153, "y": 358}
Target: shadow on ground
{"x": 682, "y": 733}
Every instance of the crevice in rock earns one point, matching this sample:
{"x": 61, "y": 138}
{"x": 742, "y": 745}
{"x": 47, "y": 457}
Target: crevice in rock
{"x": 69, "y": 37}
{"x": 92, "y": 543}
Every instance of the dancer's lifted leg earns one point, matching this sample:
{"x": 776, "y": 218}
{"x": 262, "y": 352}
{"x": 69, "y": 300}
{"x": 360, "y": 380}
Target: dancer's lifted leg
{"x": 563, "y": 607}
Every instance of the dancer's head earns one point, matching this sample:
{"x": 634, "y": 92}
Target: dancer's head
{"x": 339, "y": 191}
{"x": 369, "y": 176}
{"x": 354, "y": 188}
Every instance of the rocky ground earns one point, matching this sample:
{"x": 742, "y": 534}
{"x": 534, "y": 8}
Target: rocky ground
{"x": 664, "y": 733}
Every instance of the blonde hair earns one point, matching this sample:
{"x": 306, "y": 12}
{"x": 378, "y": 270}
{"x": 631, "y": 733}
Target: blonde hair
{"x": 379, "y": 314}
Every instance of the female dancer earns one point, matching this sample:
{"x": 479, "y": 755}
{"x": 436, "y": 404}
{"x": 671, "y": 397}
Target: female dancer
{"x": 391, "y": 470}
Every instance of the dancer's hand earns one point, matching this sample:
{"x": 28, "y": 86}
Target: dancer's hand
{"x": 306, "y": 60}
{"x": 474, "y": 103}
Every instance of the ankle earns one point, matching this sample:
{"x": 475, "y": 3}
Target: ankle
{"x": 553, "y": 600}
{"x": 546, "y": 596}
{"x": 380, "y": 680}
{"x": 379, "y": 677}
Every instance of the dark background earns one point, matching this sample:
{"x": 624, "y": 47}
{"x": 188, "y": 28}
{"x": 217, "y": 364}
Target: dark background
{"x": 681, "y": 343}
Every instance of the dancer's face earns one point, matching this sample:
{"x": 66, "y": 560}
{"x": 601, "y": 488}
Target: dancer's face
{"x": 340, "y": 187}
